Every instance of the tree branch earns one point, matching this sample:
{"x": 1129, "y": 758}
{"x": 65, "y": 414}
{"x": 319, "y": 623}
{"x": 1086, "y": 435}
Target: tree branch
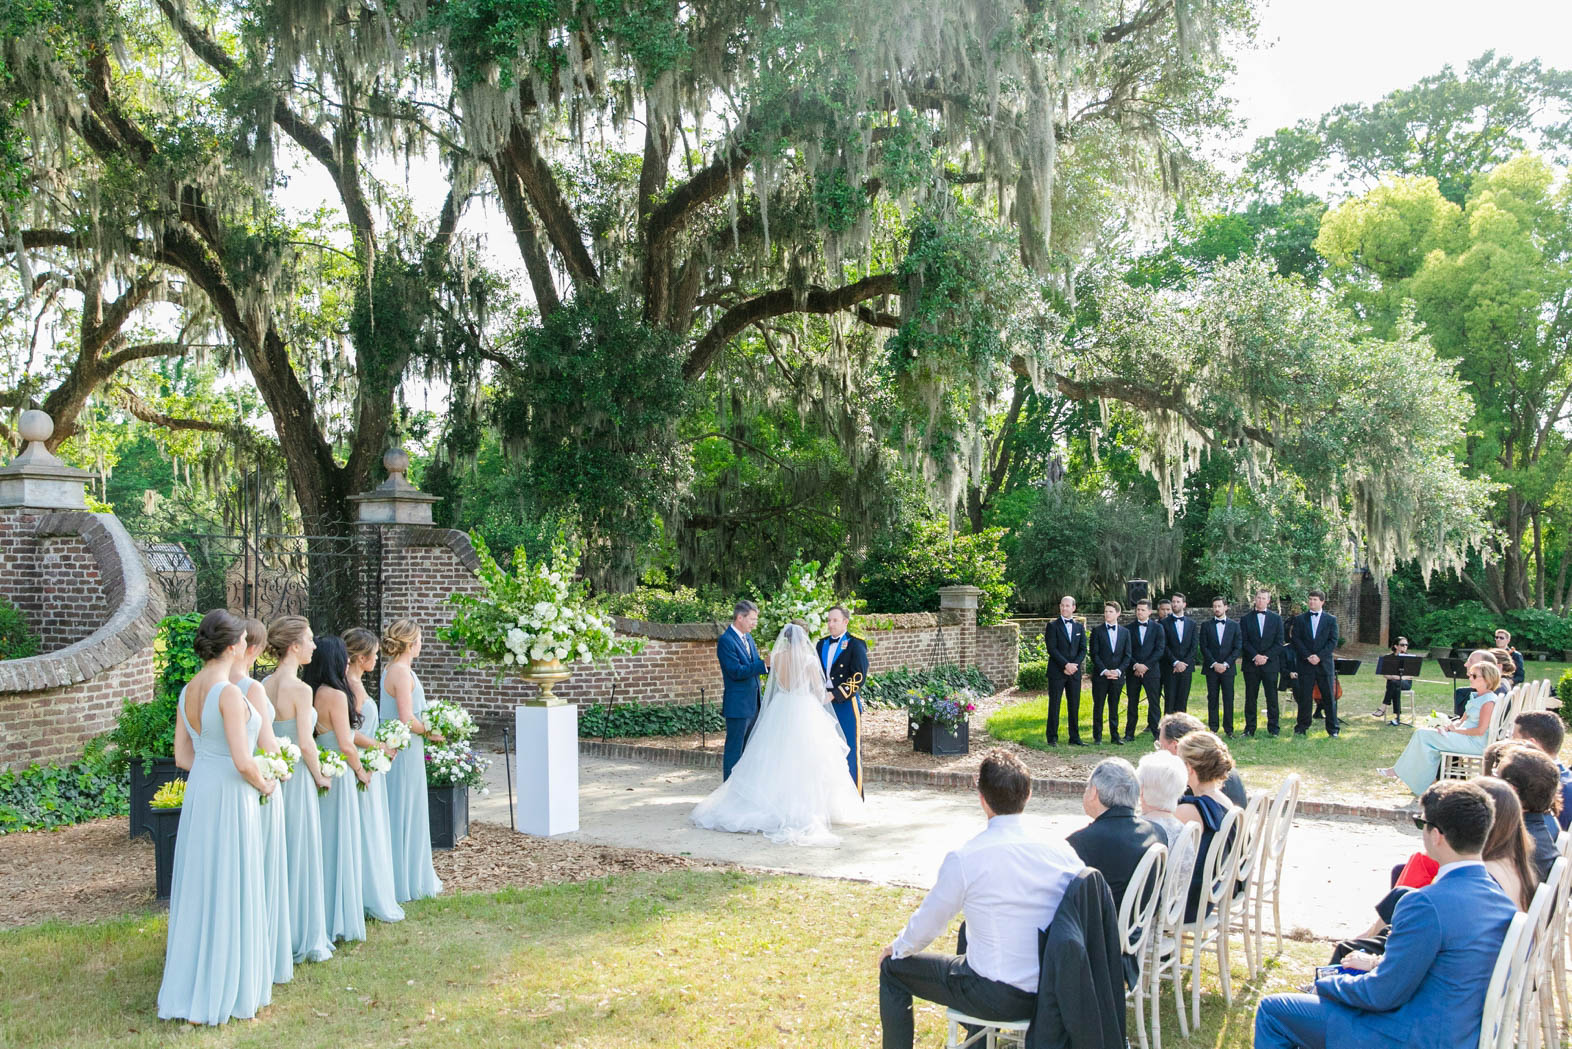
{"x": 527, "y": 234}
{"x": 143, "y": 351}
{"x": 523, "y": 159}
{"x": 132, "y": 402}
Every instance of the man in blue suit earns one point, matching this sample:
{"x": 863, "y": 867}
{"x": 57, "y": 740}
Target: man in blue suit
{"x": 1428, "y": 992}
{"x": 741, "y": 666}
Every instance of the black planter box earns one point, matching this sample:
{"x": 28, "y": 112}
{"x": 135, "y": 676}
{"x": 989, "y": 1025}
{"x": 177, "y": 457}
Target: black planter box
{"x": 448, "y": 808}
{"x": 930, "y": 737}
{"x": 165, "y": 824}
{"x": 143, "y": 786}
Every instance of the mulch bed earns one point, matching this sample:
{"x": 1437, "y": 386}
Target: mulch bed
{"x": 93, "y": 871}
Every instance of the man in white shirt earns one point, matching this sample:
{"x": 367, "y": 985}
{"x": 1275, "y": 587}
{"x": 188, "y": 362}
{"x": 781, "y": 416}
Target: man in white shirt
{"x": 1008, "y": 884}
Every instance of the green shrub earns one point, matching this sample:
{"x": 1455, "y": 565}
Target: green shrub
{"x": 146, "y": 730}
{"x": 42, "y": 797}
{"x": 1031, "y": 647}
{"x": 1539, "y": 628}
{"x": 889, "y": 688}
{"x": 1466, "y": 623}
{"x": 635, "y": 719}
{"x": 16, "y": 640}
{"x": 174, "y": 653}
{"x": 682, "y": 605}
{"x": 1033, "y": 676}
{"x": 905, "y": 574}
{"x": 1564, "y": 693}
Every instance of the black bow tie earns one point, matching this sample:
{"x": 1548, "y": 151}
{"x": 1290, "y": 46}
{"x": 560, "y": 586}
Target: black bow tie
{"x": 1219, "y": 620}
{"x": 837, "y": 639}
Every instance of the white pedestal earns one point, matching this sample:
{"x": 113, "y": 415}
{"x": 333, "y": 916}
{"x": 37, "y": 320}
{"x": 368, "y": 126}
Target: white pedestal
{"x": 547, "y": 765}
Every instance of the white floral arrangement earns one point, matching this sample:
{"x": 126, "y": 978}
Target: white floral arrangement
{"x": 807, "y": 595}
{"x": 373, "y": 760}
{"x": 332, "y": 765}
{"x": 536, "y": 613}
{"x": 393, "y": 733}
{"x": 455, "y": 765}
{"x": 1434, "y": 719}
{"x": 277, "y": 764}
{"x": 449, "y": 720}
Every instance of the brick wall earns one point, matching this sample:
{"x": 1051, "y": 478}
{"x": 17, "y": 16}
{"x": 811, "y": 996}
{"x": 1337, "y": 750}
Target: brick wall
{"x": 422, "y": 565}
{"x": 998, "y": 653}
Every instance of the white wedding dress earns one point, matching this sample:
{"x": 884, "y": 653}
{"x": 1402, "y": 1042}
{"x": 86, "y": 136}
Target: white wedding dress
{"x": 792, "y": 782}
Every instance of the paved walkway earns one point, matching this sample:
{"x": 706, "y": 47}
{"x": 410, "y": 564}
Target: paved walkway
{"x": 1335, "y": 870}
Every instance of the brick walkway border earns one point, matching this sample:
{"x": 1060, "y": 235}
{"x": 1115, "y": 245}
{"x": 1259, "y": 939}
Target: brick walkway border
{"x": 939, "y": 780}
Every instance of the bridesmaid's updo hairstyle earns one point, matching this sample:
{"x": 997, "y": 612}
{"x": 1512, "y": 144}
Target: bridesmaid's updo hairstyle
{"x": 219, "y": 631}
{"x": 399, "y": 637}
{"x": 284, "y": 632}
{"x": 360, "y": 642}
{"x": 256, "y": 633}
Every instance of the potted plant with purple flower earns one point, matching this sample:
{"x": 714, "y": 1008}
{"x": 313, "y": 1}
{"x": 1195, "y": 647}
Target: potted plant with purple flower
{"x": 937, "y": 722}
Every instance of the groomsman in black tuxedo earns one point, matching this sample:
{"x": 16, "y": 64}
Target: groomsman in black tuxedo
{"x": 1220, "y": 656}
{"x": 1183, "y": 647}
{"x": 1261, "y": 636}
{"x": 1066, "y": 642}
{"x": 1147, "y": 646}
{"x": 1110, "y": 648}
{"x": 1165, "y": 612}
{"x": 1315, "y": 641}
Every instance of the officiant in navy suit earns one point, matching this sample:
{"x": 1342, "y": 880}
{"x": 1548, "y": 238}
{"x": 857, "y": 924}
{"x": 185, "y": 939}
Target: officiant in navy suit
{"x": 845, "y": 662}
{"x": 741, "y": 666}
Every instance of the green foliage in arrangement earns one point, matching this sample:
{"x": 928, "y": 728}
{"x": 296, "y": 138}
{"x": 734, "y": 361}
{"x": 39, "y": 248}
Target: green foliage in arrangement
{"x": 171, "y": 795}
{"x": 904, "y": 573}
{"x": 1033, "y": 676}
{"x": 892, "y": 688}
{"x": 42, "y": 797}
{"x": 682, "y": 605}
{"x": 146, "y": 730}
{"x": 634, "y": 719}
{"x": 16, "y": 640}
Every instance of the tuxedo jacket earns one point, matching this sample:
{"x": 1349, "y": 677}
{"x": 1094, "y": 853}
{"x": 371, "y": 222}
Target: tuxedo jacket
{"x": 1182, "y": 651}
{"x": 850, "y": 668}
{"x": 1219, "y": 651}
{"x": 1257, "y": 642}
{"x": 1321, "y": 643}
{"x": 1429, "y": 990}
{"x": 1106, "y": 656}
{"x": 1148, "y": 652}
{"x": 1062, "y": 649}
{"x": 741, "y": 666}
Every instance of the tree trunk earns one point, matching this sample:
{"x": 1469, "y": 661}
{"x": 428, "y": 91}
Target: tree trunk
{"x": 1539, "y": 562}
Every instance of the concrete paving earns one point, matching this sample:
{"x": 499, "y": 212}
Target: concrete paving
{"x": 1334, "y": 873}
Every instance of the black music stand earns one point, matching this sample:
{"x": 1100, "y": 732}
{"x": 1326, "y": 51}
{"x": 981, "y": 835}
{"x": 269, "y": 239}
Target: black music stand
{"x": 1453, "y": 668}
{"x": 1404, "y": 666}
{"x": 1346, "y": 667}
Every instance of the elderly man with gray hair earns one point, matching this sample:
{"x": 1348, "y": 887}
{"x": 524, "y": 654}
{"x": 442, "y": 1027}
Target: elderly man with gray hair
{"x": 1116, "y": 839}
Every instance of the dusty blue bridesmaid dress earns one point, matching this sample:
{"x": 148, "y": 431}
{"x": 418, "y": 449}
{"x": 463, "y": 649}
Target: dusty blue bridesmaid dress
{"x": 376, "y": 851}
{"x": 275, "y": 867}
{"x": 216, "y": 963}
{"x": 308, "y": 938}
{"x": 341, "y": 873}
{"x": 414, "y": 878}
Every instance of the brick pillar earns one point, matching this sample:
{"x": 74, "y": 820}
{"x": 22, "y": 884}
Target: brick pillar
{"x": 958, "y": 612}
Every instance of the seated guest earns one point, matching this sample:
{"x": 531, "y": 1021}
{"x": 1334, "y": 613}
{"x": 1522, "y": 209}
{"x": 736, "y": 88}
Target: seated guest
{"x": 1175, "y": 727}
{"x": 1207, "y": 763}
{"x": 1509, "y": 851}
{"x": 1116, "y": 840}
{"x": 1462, "y": 694}
{"x": 1504, "y": 644}
{"x": 1163, "y": 778}
{"x": 1545, "y": 731}
{"x": 1429, "y": 990}
{"x": 1008, "y": 884}
{"x": 1396, "y": 684}
{"x": 1420, "y": 763}
{"x": 1538, "y": 787}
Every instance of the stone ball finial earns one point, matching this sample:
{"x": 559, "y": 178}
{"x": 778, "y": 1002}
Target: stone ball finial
{"x": 396, "y": 462}
{"x": 35, "y": 425}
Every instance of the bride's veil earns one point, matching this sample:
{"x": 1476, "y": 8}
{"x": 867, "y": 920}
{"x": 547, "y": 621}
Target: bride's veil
{"x": 794, "y": 666}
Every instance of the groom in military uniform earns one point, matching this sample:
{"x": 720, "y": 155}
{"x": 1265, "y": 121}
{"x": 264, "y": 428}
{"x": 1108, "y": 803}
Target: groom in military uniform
{"x": 844, "y": 660}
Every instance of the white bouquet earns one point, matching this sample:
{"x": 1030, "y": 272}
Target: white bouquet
{"x": 1434, "y": 719}
{"x": 449, "y": 720}
{"x": 394, "y": 734}
{"x": 374, "y": 761}
{"x": 288, "y": 750}
{"x": 275, "y": 765}
{"x": 333, "y": 765}
{"x": 455, "y": 765}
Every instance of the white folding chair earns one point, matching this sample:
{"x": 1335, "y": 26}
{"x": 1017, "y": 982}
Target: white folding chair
{"x": 1518, "y": 1002}
{"x": 1549, "y": 958}
{"x": 1137, "y": 915}
{"x": 1467, "y": 766}
{"x": 1167, "y": 950}
{"x": 1012, "y": 1032}
{"x": 1269, "y": 877}
{"x": 1252, "y": 826}
{"x": 1210, "y": 927}
{"x": 1495, "y": 1030}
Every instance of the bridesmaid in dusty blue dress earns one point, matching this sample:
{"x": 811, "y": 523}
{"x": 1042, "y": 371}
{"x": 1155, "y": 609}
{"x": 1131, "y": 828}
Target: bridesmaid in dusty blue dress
{"x": 403, "y": 698}
{"x": 340, "y": 809}
{"x": 215, "y": 959}
{"x": 376, "y": 857}
{"x": 275, "y": 857}
{"x": 289, "y": 641}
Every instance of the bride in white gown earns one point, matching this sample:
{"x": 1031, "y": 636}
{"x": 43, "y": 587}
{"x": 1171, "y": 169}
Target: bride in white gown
{"x": 791, "y": 782}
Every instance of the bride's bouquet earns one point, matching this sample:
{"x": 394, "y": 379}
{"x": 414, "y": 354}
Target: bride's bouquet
{"x": 277, "y": 764}
{"x": 333, "y": 765}
{"x": 449, "y": 720}
{"x": 373, "y": 760}
{"x": 394, "y": 734}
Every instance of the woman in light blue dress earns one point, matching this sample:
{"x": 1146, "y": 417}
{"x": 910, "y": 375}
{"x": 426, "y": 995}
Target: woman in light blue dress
{"x": 339, "y": 729}
{"x": 275, "y": 856}
{"x": 290, "y": 642}
{"x": 376, "y": 857}
{"x": 1420, "y": 762}
{"x": 216, "y": 962}
{"x": 404, "y": 698}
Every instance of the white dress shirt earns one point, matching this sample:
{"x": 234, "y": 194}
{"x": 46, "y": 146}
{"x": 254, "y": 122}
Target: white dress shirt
{"x": 1315, "y": 623}
{"x": 1179, "y": 626}
{"x": 1069, "y": 632}
{"x": 747, "y": 643}
{"x": 1008, "y": 884}
{"x": 1260, "y": 624}
{"x": 1222, "y": 624}
{"x": 1446, "y": 868}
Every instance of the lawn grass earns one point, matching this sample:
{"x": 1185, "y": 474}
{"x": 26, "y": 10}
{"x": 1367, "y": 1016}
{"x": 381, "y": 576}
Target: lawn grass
{"x": 1341, "y": 769}
{"x": 681, "y": 958}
